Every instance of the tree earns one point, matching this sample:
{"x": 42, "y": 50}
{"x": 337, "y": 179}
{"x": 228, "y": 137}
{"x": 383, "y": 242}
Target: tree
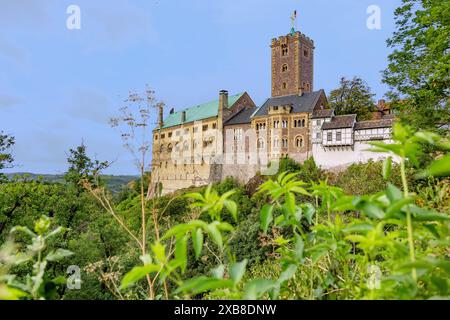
{"x": 352, "y": 96}
{"x": 82, "y": 167}
{"x": 6, "y": 158}
{"x": 418, "y": 70}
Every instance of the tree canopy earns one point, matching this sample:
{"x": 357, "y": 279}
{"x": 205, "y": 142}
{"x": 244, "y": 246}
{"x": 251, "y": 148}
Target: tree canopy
{"x": 353, "y": 96}
{"x": 418, "y": 70}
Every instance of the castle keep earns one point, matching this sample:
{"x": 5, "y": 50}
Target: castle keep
{"x": 233, "y": 137}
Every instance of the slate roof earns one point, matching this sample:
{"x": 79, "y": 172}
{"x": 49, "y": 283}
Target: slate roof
{"x": 372, "y": 124}
{"x": 243, "y": 116}
{"x": 340, "y": 122}
{"x": 303, "y": 103}
{"x": 199, "y": 112}
{"x": 324, "y": 113}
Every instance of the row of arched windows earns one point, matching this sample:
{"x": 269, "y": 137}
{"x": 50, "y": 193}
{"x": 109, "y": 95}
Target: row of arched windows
{"x": 299, "y": 143}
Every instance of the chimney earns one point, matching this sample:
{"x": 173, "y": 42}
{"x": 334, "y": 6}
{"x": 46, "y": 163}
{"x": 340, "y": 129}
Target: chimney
{"x": 161, "y": 115}
{"x": 223, "y": 100}
{"x": 183, "y": 116}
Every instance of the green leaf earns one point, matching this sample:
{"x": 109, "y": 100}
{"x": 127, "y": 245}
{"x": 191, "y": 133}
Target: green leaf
{"x": 421, "y": 214}
{"x": 288, "y": 273}
{"x": 372, "y": 211}
{"x": 256, "y": 288}
{"x": 387, "y": 168}
{"x": 137, "y": 273}
{"x": 232, "y": 208}
{"x": 58, "y": 255}
{"x": 177, "y": 230}
{"x": 218, "y": 272}
{"x": 197, "y": 241}
{"x": 439, "y": 168}
{"x": 308, "y": 212}
{"x": 393, "y": 193}
{"x": 215, "y": 235}
{"x": 203, "y": 284}
{"x": 237, "y": 271}
{"x": 181, "y": 252}
{"x": 159, "y": 251}
{"x": 299, "y": 246}
{"x": 266, "y": 217}
{"x": 290, "y": 202}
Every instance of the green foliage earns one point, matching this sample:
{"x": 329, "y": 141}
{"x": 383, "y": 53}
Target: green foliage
{"x": 418, "y": 70}
{"x": 6, "y": 142}
{"x": 352, "y": 97}
{"x": 81, "y": 167}
{"x": 36, "y": 285}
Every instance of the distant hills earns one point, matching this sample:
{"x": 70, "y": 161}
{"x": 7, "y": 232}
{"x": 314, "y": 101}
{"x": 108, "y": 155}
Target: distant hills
{"x": 114, "y": 183}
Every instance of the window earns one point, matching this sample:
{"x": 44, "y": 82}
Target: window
{"x": 169, "y": 134}
{"x": 284, "y": 124}
{"x": 169, "y": 148}
{"x": 284, "y": 85}
{"x": 338, "y": 136}
{"x": 276, "y": 124}
{"x": 205, "y": 127}
{"x": 186, "y": 146}
{"x": 275, "y": 108}
{"x": 329, "y": 136}
{"x": 238, "y": 134}
{"x": 276, "y": 143}
{"x": 303, "y": 123}
{"x": 261, "y": 143}
{"x": 318, "y": 123}
{"x": 284, "y": 68}
{"x": 318, "y": 135}
{"x": 299, "y": 142}
{"x": 156, "y": 137}
{"x": 163, "y": 136}
{"x": 195, "y": 129}
{"x": 308, "y": 88}
{"x": 285, "y": 143}
{"x": 306, "y": 53}
{"x": 214, "y": 125}
{"x": 284, "y": 50}
{"x": 177, "y": 133}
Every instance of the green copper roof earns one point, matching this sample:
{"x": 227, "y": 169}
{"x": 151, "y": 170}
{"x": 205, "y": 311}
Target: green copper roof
{"x": 200, "y": 112}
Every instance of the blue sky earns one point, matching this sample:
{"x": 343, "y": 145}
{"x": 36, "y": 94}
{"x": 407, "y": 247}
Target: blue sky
{"x": 59, "y": 87}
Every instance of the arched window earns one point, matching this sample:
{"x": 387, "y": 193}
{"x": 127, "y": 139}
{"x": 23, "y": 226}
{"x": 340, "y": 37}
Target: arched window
{"x": 303, "y": 123}
{"x": 161, "y": 149}
{"x": 169, "y": 148}
{"x": 284, "y": 50}
{"x": 284, "y": 85}
{"x": 261, "y": 143}
{"x": 299, "y": 142}
{"x": 284, "y": 68}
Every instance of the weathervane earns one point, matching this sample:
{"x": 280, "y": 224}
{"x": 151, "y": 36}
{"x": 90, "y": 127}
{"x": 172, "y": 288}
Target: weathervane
{"x": 293, "y": 19}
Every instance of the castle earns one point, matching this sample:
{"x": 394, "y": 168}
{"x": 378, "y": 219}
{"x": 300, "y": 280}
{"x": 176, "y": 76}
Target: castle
{"x": 232, "y": 137}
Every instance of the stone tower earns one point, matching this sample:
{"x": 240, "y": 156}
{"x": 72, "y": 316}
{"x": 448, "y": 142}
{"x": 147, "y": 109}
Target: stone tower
{"x": 292, "y": 64}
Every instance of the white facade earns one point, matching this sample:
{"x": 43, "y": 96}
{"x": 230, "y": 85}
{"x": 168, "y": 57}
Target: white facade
{"x": 336, "y": 148}
{"x": 337, "y": 157}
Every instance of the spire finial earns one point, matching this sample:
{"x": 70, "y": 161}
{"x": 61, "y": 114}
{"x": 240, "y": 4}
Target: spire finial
{"x": 293, "y": 19}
